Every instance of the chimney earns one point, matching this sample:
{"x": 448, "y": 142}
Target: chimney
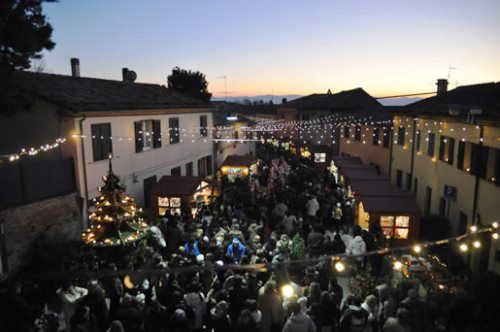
{"x": 75, "y": 67}
{"x": 124, "y": 74}
{"x": 283, "y": 101}
{"x": 442, "y": 86}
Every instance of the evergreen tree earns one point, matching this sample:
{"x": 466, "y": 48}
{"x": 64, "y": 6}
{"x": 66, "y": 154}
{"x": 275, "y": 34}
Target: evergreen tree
{"x": 191, "y": 83}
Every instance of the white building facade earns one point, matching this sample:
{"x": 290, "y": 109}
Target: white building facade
{"x": 145, "y": 146}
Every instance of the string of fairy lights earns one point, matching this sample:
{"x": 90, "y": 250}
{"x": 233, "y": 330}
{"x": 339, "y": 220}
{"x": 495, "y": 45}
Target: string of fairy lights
{"x": 193, "y": 135}
{"x": 469, "y": 241}
{"x": 318, "y": 130}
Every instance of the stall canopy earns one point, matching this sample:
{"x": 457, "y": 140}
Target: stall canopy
{"x": 177, "y": 186}
{"x": 239, "y": 161}
{"x": 180, "y": 193}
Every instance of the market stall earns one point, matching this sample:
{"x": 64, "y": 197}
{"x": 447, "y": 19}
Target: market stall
{"x": 180, "y": 193}
{"x": 238, "y": 166}
{"x": 377, "y": 201}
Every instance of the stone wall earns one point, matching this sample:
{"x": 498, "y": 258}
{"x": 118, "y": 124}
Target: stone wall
{"x": 58, "y": 217}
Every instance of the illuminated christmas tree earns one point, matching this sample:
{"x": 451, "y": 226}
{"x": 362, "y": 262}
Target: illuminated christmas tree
{"x": 115, "y": 218}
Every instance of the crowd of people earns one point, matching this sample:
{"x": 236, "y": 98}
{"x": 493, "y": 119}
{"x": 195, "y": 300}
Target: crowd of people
{"x": 225, "y": 268}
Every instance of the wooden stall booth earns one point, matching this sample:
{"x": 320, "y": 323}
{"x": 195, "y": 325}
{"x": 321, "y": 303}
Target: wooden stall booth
{"x": 378, "y": 201}
{"x": 180, "y": 193}
{"x": 238, "y": 166}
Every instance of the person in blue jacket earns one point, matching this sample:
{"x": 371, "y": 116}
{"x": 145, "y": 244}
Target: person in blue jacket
{"x": 191, "y": 247}
{"x": 236, "y": 250}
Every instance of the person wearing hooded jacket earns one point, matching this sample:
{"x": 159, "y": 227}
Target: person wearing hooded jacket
{"x": 299, "y": 321}
{"x": 357, "y": 245}
{"x": 236, "y": 250}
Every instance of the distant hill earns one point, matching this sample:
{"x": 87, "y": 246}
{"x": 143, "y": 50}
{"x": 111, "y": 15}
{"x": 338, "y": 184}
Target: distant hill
{"x": 265, "y": 98}
{"x": 399, "y": 101}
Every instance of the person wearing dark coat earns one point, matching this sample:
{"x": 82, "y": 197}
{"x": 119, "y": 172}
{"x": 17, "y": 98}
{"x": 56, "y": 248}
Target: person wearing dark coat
{"x": 174, "y": 236}
{"x": 96, "y": 302}
{"x": 129, "y": 314}
{"x": 246, "y": 323}
{"x": 155, "y": 317}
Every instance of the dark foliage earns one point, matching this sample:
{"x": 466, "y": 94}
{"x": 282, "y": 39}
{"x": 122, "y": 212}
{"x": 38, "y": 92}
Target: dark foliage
{"x": 191, "y": 83}
{"x": 24, "y": 34}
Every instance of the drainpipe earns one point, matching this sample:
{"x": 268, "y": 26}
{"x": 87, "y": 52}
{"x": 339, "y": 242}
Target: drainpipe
{"x": 390, "y": 149}
{"x": 413, "y": 150}
{"x": 84, "y": 167}
{"x": 476, "y": 185}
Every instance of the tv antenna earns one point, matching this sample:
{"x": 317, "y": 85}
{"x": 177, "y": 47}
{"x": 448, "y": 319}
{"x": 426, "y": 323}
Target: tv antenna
{"x": 225, "y": 85}
{"x": 450, "y": 68}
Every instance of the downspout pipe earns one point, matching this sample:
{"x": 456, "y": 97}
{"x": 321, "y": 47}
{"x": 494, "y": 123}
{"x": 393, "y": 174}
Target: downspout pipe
{"x": 84, "y": 168}
{"x": 414, "y": 133}
{"x": 476, "y": 184}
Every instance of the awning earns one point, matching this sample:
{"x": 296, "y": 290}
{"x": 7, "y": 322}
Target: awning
{"x": 390, "y": 205}
{"x": 377, "y": 188}
{"x": 239, "y": 160}
{"x": 177, "y": 186}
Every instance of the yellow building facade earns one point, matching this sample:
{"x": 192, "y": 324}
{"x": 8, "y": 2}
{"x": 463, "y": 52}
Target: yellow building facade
{"x": 453, "y": 168}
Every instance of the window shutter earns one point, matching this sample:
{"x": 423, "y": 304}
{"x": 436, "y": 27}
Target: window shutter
{"x": 107, "y": 147}
{"x": 156, "y": 134}
{"x": 461, "y": 155}
{"x": 200, "y": 168}
{"x": 96, "y": 142}
{"x": 451, "y": 150}
{"x": 139, "y": 144}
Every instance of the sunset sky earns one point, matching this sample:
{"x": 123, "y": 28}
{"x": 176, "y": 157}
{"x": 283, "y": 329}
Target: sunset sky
{"x": 282, "y": 47}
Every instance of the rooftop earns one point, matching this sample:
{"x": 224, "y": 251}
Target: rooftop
{"x": 81, "y": 94}
{"x": 485, "y": 96}
{"x": 355, "y": 100}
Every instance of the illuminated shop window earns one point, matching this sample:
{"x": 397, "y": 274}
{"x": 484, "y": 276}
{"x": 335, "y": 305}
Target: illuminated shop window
{"x": 320, "y": 157}
{"x": 395, "y": 227}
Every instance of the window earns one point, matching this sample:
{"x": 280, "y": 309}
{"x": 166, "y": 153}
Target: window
{"x": 493, "y": 166}
{"x": 147, "y": 135}
{"x": 446, "y": 149}
{"x": 462, "y": 223}
{"x": 387, "y": 138}
{"x": 478, "y": 160}
{"x": 236, "y": 134}
{"x": 189, "y": 169}
{"x": 442, "y": 207}
{"x": 376, "y": 136}
{"x": 203, "y": 126}
{"x": 418, "y": 137}
{"x": 101, "y": 140}
{"x": 408, "y": 181}
{"x": 430, "y": 145}
{"x": 461, "y": 155}
{"x": 401, "y": 135}
{"x": 399, "y": 178}
{"x": 346, "y": 131}
{"x": 357, "y": 133}
{"x": 170, "y": 204}
{"x": 176, "y": 171}
{"x": 395, "y": 227}
{"x": 428, "y": 197}
{"x": 205, "y": 166}
{"x": 320, "y": 157}
{"x": 173, "y": 130}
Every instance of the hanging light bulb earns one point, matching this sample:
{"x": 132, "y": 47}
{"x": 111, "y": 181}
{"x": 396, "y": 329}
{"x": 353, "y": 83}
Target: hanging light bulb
{"x": 473, "y": 228}
{"x": 339, "y": 266}
{"x": 287, "y": 291}
{"x": 495, "y": 236}
{"x": 495, "y": 224}
{"x": 417, "y": 248}
{"x": 464, "y": 247}
{"x": 397, "y": 265}
{"x": 476, "y": 244}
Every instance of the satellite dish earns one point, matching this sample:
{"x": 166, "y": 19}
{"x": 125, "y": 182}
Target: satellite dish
{"x": 131, "y": 76}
